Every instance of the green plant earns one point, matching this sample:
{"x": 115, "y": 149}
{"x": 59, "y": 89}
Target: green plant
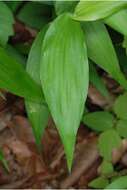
{"x": 55, "y": 80}
{"x": 3, "y": 160}
{"x": 113, "y": 126}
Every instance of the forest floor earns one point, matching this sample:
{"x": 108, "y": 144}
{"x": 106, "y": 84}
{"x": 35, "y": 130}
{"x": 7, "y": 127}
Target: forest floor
{"x": 29, "y": 168}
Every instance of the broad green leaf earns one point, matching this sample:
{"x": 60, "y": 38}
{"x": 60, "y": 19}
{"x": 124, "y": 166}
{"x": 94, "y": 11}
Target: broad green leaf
{"x": 15, "y": 79}
{"x": 99, "y": 183}
{"x": 108, "y": 140}
{"x": 121, "y": 128}
{"x": 118, "y": 21}
{"x": 3, "y": 160}
{"x": 94, "y": 10}
{"x": 120, "y": 183}
{"x": 6, "y": 23}
{"x": 64, "y": 76}
{"x": 35, "y": 14}
{"x": 38, "y": 113}
{"x": 14, "y": 5}
{"x": 99, "y": 121}
{"x": 106, "y": 168}
{"x": 101, "y": 50}
{"x": 13, "y": 52}
{"x": 64, "y": 6}
{"x": 120, "y": 106}
{"x": 97, "y": 81}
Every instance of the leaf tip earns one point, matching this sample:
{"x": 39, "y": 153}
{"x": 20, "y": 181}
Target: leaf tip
{"x": 69, "y": 150}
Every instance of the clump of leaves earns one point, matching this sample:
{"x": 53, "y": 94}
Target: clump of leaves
{"x": 55, "y": 80}
{"x": 114, "y": 128}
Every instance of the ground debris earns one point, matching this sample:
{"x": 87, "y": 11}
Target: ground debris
{"x": 30, "y": 168}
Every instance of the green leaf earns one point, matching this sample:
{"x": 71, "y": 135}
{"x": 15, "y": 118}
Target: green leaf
{"x": 13, "y": 52}
{"x": 106, "y": 168}
{"x": 38, "y": 113}
{"x": 49, "y": 3}
{"x": 97, "y": 81}
{"x": 64, "y": 76}
{"x": 101, "y": 50}
{"x": 3, "y": 160}
{"x": 99, "y": 183}
{"x": 64, "y": 6}
{"x": 121, "y": 53}
{"x": 99, "y": 121}
{"x": 118, "y": 21}
{"x": 124, "y": 44}
{"x": 34, "y": 14}
{"x": 120, "y": 183}
{"x": 120, "y": 106}
{"x": 14, "y": 5}
{"x": 6, "y": 23}
{"x": 23, "y": 48}
{"x": 108, "y": 140}
{"x": 121, "y": 128}
{"x": 94, "y": 10}
{"x": 15, "y": 79}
